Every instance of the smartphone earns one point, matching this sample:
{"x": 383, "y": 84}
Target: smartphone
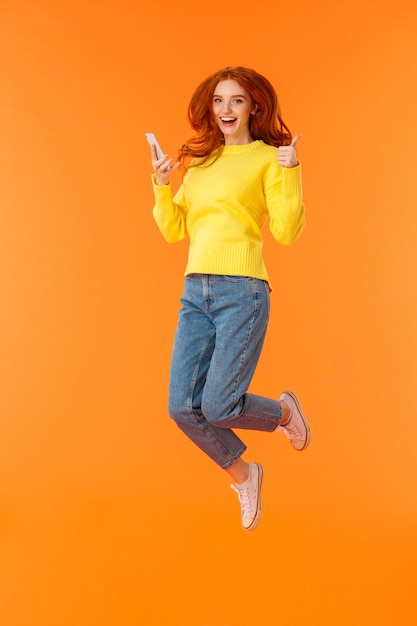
{"x": 154, "y": 142}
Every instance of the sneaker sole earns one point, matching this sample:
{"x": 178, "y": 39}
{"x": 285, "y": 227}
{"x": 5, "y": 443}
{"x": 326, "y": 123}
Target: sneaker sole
{"x": 257, "y": 517}
{"x": 303, "y": 417}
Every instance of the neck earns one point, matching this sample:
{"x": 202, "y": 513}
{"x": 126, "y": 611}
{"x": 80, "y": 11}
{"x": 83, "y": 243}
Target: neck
{"x": 231, "y": 140}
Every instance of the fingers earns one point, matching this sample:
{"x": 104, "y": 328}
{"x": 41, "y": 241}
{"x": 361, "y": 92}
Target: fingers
{"x": 294, "y": 140}
{"x": 163, "y": 164}
{"x": 163, "y": 167}
{"x": 157, "y": 163}
{"x": 287, "y": 155}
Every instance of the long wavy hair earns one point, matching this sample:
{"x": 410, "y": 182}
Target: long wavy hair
{"x": 266, "y": 122}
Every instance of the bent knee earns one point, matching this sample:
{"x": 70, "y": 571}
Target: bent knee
{"x": 214, "y": 413}
{"x": 178, "y": 411}
{"x": 217, "y": 413}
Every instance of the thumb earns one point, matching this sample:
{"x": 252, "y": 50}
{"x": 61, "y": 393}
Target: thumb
{"x": 294, "y": 140}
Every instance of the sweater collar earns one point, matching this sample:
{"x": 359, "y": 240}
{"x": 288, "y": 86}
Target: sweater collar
{"x": 239, "y": 148}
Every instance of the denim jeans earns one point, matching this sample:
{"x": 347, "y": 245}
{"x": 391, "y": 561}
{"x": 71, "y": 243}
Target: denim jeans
{"x": 221, "y": 329}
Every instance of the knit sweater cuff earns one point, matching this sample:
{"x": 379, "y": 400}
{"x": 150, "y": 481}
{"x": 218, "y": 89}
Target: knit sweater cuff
{"x": 163, "y": 199}
{"x": 291, "y": 180}
{"x": 160, "y": 191}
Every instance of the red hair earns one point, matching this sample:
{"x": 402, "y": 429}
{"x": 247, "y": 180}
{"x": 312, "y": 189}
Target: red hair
{"x": 266, "y": 123}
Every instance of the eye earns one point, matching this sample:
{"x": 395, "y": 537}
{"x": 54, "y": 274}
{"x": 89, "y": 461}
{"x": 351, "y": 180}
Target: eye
{"x": 238, "y": 101}
{"x": 217, "y": 100}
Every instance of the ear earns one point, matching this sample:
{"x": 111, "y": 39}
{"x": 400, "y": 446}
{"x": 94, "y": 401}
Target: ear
{"x": 254, "y": 108}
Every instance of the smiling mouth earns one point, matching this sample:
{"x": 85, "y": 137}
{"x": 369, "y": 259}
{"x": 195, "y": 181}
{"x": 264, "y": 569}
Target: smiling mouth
{"x": 228, "y": 121}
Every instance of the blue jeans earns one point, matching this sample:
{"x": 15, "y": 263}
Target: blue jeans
{"x": 221, "y": 329}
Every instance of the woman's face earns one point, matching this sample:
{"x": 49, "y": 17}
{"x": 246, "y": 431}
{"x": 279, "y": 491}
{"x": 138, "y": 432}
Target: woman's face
{"x": 232, "y": 107}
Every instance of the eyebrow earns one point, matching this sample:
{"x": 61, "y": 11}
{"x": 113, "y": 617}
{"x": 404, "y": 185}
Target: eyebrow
{"x": 238, "y": 95}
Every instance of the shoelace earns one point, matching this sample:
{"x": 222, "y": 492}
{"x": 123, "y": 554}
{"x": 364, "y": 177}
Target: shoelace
{"x": 245, "y": 503}
{"x": 291, "y": 431}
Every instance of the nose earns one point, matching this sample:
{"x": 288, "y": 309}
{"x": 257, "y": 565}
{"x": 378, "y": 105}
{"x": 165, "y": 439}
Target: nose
{"x": 227, "y": 106}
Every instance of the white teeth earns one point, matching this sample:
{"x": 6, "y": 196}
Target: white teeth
{"x": 228, "y": 119}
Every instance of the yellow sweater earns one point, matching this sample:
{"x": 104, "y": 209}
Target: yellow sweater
{"x": 223, "y": 205}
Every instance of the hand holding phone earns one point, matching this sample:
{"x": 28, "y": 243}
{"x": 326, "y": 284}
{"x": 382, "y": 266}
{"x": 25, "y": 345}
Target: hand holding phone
{"x": 162, "y": 170}
{"x": 154, "y": 142}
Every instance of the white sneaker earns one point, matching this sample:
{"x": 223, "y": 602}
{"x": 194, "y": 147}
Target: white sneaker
{"x": 249, "y": 494}
{"x": 296, "y": 429}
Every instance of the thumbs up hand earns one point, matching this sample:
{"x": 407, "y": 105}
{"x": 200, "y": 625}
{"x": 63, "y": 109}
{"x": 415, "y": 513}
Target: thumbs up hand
{"x": 287, "y": 155}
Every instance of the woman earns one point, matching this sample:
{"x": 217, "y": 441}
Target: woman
{"x": 244, "y": 168}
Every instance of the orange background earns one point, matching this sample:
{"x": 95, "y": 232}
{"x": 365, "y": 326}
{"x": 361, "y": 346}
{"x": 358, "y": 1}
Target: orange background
{"x": 108, "y": 514}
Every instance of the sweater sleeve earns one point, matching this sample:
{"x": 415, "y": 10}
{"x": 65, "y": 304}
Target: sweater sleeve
{"x": 285, "y": 205}
{"x": 169, "y": 212}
